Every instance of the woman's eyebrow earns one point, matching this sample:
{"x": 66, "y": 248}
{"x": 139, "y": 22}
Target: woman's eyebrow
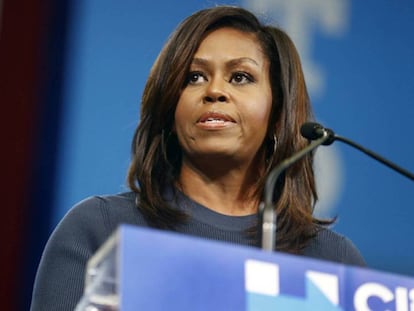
{"x": 200, "y": 61}
{"x": 230, "y": 63}
{"x": 241, "y": 60}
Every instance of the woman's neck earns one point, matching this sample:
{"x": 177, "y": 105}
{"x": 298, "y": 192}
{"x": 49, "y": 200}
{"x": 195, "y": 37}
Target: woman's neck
{"x": 227, "y": 190}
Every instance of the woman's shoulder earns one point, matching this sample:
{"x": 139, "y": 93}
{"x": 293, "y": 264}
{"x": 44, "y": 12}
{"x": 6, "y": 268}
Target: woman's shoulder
{"x": 97, "y": 217}
{"x": 333, "y": 246}
{"x": 111, "y": 210}
{"x": 84, "y": 228}
{"x": 123, "y": 200}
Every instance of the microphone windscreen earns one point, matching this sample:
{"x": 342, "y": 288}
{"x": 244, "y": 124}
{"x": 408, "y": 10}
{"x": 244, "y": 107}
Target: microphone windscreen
{"x": 311, "y": 130}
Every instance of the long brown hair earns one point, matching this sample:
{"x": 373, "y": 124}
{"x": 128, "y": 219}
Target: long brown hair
{"x": 156, "y": 154}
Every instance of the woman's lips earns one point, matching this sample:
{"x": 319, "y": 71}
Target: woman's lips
{"x": 215, "y": 116}
{"x": 215, "y": 120}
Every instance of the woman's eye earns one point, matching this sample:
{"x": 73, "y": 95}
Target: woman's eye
{"x": 195, "y": 77}
{"x": 241, "y": 78}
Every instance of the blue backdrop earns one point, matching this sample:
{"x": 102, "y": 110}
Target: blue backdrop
{"x": 358, "y": 60}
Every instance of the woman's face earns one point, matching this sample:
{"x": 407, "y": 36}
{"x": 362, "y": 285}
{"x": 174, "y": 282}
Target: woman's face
{"x": 224, "y": 109}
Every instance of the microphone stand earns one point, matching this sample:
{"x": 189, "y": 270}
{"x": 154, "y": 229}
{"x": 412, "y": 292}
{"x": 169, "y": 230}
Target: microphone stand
{"x": 269, "y": 217}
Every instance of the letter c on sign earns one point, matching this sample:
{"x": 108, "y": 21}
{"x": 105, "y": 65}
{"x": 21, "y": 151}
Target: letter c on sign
{"x": 369, "y": 290}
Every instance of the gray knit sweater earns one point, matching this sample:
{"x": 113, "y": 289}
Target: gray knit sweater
{"x": 60, "y": 277}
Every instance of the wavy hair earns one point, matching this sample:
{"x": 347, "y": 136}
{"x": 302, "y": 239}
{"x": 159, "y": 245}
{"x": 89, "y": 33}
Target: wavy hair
{"x": 156, "y": 154}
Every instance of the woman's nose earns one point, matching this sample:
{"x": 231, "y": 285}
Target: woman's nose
{"x": 216, "y": 91}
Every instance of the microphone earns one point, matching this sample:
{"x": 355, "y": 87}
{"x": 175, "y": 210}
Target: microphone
{"x": 266, "y": 208}
{"x": 319, "y": 135}
{"x": 312, "y": 131}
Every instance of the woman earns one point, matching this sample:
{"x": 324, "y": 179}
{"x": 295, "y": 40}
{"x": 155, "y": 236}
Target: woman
{"x": 222, "y": 106}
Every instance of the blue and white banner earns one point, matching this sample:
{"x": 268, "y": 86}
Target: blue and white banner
{"x": 157, "y": 270}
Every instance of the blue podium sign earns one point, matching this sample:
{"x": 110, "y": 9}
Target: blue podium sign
{"x": 158, "y": 270}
